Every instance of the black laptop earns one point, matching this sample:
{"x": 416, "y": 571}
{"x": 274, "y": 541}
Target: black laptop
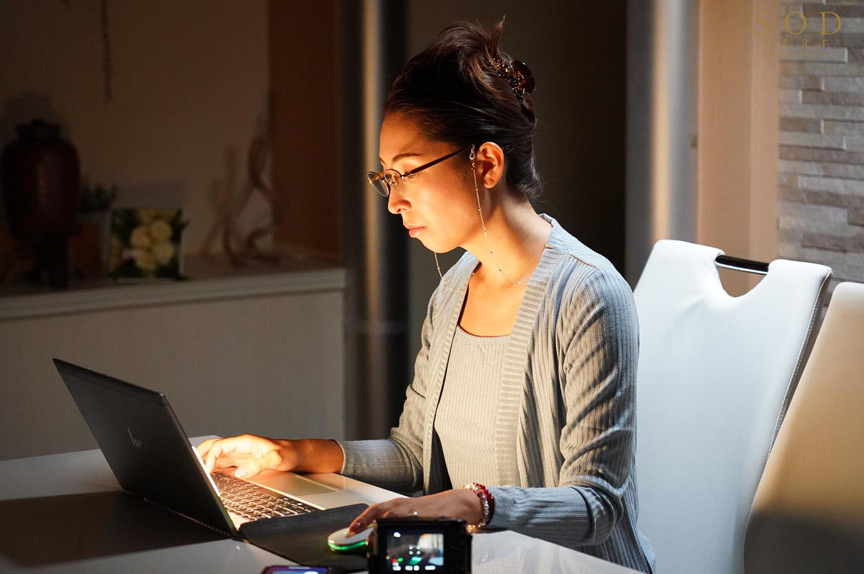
{"x": 151, "y": 456}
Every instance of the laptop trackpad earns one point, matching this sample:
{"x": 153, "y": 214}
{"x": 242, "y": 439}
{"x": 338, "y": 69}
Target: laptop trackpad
{"x": 291, "y": 484}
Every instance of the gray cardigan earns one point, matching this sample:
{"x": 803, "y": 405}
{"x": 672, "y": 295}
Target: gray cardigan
{"x": 565, "y": 417}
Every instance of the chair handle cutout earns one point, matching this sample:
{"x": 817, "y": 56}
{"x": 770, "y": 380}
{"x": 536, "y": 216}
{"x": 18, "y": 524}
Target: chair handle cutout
{"x": 738, "y": 264}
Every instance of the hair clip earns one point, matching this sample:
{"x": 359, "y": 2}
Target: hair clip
{"x": 517, "y": 75}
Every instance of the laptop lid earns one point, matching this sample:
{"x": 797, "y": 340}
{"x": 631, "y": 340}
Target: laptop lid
{"x": 145, "y": 445}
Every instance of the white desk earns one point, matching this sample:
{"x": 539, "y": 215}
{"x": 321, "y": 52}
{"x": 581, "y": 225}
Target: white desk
{"x": 65, "y": 513}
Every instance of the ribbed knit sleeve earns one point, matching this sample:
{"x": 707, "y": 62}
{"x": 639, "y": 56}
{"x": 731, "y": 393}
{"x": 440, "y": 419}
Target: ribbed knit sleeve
{"x": 596, "y": 380}
{"x": 395, "y": 463}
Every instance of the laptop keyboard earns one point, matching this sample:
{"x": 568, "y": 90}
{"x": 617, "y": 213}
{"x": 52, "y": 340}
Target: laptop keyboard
{"x": 253, "y": 502}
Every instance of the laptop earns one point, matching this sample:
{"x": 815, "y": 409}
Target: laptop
{"x": 151, "y": 457}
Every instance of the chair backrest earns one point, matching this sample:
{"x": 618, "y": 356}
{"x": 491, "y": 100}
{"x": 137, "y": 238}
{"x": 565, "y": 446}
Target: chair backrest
{"x": 808, "y": 515}
{"x": 715, "y": 375}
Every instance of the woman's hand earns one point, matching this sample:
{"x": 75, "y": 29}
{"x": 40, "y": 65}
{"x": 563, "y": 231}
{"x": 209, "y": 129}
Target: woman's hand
{"x": 460, "y": 503}
{"x": 252, "y": 454}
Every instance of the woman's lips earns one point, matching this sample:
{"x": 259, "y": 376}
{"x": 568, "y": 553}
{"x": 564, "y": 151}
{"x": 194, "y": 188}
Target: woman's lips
{"x": 415, "y": 231}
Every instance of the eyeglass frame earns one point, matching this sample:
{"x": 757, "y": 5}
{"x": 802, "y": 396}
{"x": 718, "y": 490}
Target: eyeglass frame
{"x": 409, "y": 174}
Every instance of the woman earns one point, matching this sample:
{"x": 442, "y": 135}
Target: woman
{"x": 524, "y": 384}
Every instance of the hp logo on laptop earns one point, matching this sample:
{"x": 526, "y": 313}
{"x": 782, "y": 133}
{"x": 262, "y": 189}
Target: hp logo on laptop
{"x": 137, "y": 443}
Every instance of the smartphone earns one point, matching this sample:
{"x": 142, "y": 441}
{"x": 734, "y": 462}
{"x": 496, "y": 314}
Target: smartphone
{"x": 296, "y": 570}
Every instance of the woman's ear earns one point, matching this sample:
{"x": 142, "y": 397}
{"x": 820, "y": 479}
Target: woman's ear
{"x": 490, "y": 164}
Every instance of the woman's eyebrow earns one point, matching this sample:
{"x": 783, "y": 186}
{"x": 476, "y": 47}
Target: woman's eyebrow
{"x": 400, "y": 156}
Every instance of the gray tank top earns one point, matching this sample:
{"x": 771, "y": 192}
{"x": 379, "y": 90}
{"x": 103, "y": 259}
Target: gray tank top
{"x": 465, "y": 420}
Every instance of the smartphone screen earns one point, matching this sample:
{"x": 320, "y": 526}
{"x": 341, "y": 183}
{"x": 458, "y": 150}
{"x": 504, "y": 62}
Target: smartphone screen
{"x": 296, "y": 570}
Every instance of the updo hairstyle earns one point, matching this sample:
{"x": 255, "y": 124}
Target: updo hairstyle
{"x": 457, "y": 92}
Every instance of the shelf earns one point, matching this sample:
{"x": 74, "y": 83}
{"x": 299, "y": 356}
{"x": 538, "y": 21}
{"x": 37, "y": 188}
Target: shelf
{"x": 209, "y": 279}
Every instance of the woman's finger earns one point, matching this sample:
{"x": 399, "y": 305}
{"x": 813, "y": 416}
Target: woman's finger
{"x": 255, "y": 464}
{"x": 219, "y": 449}
{"x": 367, "y": 517}
{"x": 204, "y": 448}
{"x": 205, "y": 445}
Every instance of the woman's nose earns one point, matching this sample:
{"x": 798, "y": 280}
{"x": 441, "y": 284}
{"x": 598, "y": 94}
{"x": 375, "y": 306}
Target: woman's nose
{"x": 396, "y": 202}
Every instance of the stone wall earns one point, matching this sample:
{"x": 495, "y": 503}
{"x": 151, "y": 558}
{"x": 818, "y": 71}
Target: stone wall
{"x": 821, "y": 174}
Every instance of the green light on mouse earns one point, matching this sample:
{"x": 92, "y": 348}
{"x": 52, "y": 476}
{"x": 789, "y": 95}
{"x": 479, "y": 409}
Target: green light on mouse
{"x": 347, "y": 547}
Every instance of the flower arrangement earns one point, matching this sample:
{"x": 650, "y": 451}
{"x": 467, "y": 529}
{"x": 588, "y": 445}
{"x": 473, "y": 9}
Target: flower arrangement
{"x": 146, "y": 243}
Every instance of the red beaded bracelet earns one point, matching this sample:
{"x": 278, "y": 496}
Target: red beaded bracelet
{"x": 487, "y": 501}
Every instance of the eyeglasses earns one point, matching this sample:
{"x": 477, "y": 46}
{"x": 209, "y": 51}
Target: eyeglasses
{"x": 383, "y": 181}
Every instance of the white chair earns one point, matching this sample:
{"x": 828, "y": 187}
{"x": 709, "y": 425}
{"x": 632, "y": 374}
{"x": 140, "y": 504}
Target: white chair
{"x": 808, "y": 515}
{"x": 715, "y": 375}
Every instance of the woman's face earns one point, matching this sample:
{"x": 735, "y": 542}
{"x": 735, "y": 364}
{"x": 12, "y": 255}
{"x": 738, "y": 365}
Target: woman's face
{"x": 440, "y": 199}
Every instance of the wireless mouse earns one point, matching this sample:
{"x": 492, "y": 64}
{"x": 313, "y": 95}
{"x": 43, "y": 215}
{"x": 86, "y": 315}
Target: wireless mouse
{"x": 340, "y": 541}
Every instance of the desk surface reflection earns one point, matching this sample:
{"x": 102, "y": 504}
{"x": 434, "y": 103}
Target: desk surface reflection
{"x": 65, "y": 513}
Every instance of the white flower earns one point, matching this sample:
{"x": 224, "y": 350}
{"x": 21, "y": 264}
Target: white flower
{"x": 140, "y": 237}
{"x": 160, "y": 231}
{"x": 147, "y": 216}
{"x": 144, "y": 259}
{"x": 163, "y": 251}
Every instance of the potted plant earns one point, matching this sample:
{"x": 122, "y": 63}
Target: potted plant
{"x": 89, "y": 248}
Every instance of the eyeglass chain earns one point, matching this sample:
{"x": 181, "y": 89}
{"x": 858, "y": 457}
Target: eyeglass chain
{"x": 472, "y": 156}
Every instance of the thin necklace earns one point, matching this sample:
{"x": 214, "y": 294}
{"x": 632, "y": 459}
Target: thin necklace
{"x": 485, "y": 234}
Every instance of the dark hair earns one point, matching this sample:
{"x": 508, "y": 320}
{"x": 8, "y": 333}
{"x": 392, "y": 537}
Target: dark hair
{"x": 453, "y": 90}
